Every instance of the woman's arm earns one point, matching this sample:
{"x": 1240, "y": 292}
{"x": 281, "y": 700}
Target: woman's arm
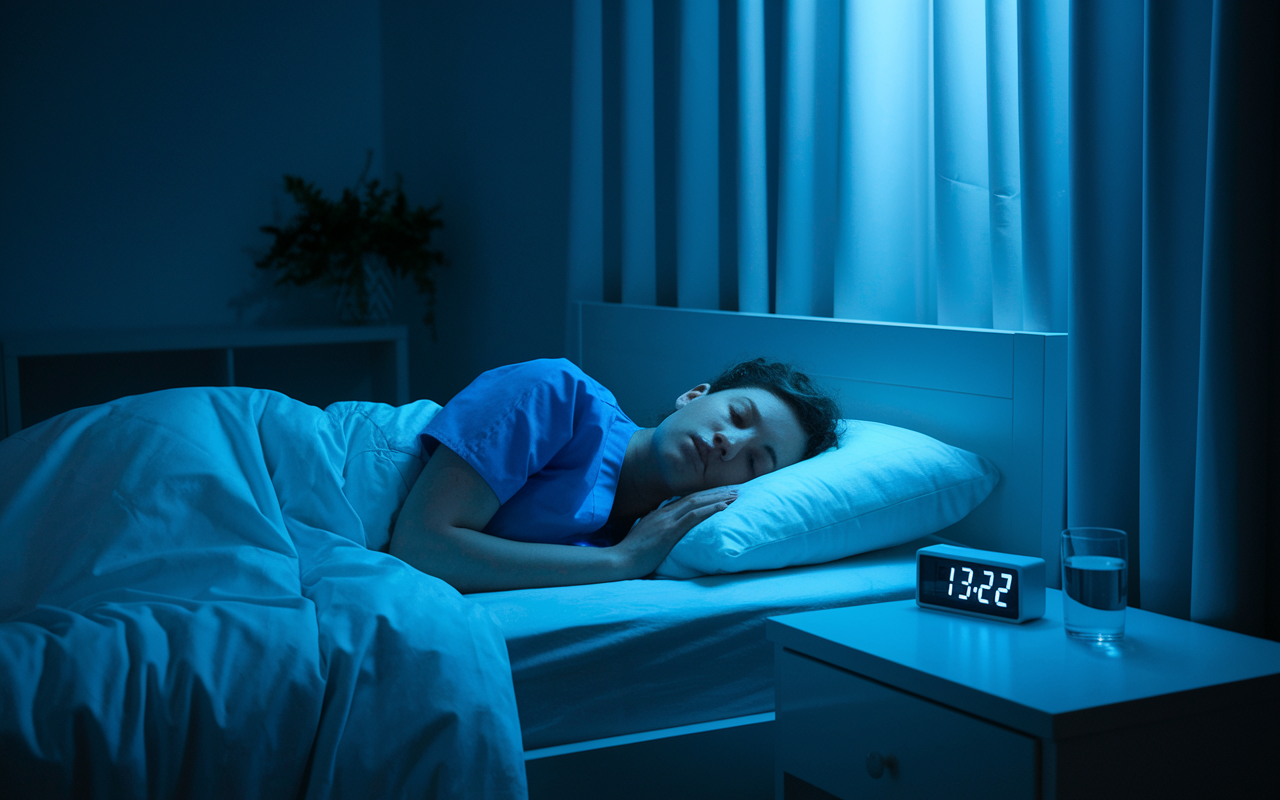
{"x": 439, "y": 531}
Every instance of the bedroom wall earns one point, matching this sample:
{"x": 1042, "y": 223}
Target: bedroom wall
{"x": 143, "y": 144}
{"x": 476, "y": 110}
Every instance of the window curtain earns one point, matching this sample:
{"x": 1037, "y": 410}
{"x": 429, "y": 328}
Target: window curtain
{"x": 1172, "y": 353}
{"x": 1103, "y": 167}
{"x": 901, "y": 161}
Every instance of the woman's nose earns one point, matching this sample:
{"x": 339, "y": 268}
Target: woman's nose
{"x": 728, "y": 444}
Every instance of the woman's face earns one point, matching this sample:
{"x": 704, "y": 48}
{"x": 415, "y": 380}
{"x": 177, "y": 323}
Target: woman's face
{"x": 726, "y": 438}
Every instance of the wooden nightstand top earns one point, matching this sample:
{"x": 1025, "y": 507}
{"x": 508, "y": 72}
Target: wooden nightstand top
{"x": 1032, "y": 677}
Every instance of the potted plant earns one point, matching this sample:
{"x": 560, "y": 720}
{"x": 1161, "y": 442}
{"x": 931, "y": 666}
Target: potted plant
{"x": 356, "y": 244}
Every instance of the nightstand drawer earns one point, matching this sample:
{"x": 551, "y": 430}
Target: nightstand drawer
{"x": 835, "y": 729}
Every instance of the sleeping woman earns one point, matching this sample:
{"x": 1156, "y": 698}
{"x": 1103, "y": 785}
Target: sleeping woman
{"x": 535, "y": 456}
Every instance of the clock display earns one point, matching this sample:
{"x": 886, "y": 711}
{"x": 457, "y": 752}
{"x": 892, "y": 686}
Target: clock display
{"x": 980, "y": 583}
{"x": 969, "y": 585}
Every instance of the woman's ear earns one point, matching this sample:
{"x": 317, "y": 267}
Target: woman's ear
{"x": 691, "y": 395}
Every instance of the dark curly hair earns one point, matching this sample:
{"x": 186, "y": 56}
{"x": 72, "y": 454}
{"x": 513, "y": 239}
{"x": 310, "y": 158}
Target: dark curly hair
{"x": 815, "y": 410}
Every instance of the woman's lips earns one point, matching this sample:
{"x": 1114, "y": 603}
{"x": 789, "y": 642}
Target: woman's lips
{"x": 702, "y": 449}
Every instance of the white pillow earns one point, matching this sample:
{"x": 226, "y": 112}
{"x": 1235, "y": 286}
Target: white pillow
{"x": 881, "y": 487}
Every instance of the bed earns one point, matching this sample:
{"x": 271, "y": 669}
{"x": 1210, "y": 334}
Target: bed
{"x": 664, "y": 688}
{"x": 194, "y": 601}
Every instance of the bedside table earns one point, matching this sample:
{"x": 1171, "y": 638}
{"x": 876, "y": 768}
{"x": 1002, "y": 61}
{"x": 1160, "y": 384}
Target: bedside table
{"x": 891, "y": 700}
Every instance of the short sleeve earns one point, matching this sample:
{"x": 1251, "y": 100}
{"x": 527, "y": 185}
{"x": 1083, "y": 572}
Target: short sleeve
{"x": 511, "y": 421}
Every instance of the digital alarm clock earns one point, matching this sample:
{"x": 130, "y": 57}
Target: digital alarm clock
{"x": 980, "y": 583}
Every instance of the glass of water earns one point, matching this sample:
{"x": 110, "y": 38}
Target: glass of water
{"x": 1095, "y": 582}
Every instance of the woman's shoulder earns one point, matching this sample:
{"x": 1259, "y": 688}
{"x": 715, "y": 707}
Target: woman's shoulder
{"x": 546, "y": 366}
{"x": 550, "y": 372}
{"x": 559, "y": 377}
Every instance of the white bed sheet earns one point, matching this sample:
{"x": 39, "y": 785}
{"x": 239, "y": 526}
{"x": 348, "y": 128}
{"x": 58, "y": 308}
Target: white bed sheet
{"x": 610, "y": 659}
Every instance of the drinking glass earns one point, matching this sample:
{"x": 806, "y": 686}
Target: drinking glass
{"x": 1095, "y": 582}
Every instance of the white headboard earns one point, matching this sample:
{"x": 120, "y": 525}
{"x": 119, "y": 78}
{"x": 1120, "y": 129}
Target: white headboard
{"x": 1001, "y": 394}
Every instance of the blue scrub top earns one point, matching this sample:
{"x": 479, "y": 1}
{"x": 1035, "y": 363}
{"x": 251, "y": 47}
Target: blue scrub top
{"x": 549, "y": 441}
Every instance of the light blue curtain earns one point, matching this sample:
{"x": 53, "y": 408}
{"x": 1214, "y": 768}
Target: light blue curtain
{"x": 639, "y": 195}
{"x": 753, "y": 159}
{"x": 1105, "y": 305}
{"x": 1173, "y": 340}
{"x": 698, "y": 170}
{"x": 1235, "y": 548}
{"x": 1176, "y": 77}
{"x": 1103, "y": 167}
{"x": 884, "y": 261}
{"x": 865, "y": 158}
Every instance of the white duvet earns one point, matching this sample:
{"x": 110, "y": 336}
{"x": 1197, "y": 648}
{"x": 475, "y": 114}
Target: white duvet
{"x": 192, "y": 604}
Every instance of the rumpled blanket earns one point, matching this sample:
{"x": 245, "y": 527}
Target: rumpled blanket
{"x": 193, "y": 604}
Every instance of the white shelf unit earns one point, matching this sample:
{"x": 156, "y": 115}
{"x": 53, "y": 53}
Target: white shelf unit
{"x": 47, "y": 373}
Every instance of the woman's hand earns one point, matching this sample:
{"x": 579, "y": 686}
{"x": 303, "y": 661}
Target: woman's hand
{"x": 440, "y": 531}
{"x": 651, "y": 539}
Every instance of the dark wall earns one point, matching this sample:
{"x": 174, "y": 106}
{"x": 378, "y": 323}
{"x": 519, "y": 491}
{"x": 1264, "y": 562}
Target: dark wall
{"x": 476, "y": 110}
{"x": 143, "y": 143}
